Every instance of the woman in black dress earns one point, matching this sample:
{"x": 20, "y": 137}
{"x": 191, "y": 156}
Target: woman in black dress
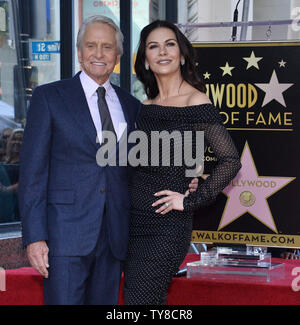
{"x": 161, "y": 215}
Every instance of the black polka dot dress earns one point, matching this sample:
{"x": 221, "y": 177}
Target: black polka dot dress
{"x": 158, "y": 243}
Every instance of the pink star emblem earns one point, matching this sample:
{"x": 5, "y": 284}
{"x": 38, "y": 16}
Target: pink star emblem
{"x": 248, "y": 192}
{"x": 274, "y": 90}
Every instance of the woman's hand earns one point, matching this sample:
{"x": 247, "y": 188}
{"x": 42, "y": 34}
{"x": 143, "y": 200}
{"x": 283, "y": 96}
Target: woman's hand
{"x": 170, "y": 201}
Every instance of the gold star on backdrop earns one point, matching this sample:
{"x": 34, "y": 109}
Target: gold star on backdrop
{"x": 206, "y": 75}
{"x": 252, "y": 61}
{"x": 282, "y": 64}
{"x": 227, "y": 69}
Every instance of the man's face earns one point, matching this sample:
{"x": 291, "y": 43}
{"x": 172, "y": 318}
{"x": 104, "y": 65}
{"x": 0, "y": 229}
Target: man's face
{"x": 98, "y": 54}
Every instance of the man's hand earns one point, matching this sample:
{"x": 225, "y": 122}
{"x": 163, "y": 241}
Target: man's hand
{"x": 192, "y": 186}
{"x": 37, "y": 253}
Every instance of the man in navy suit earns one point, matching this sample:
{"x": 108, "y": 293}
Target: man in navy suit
{"x": 75, "y": 213}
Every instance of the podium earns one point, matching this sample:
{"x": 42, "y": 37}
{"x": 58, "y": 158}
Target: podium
{"x": 253, "y": 264}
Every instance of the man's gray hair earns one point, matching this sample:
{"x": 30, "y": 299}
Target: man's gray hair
{"x": 104, "y": 20}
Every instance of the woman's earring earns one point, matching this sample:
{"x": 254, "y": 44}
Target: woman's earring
{"x": 182, "y": 62}
{"x": 147, "y": 66}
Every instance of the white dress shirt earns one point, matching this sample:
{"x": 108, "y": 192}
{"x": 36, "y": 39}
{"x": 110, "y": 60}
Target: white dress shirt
{"x": 115, "y": 109}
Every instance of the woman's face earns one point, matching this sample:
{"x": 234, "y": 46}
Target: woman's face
{"x": 162, "y": 52}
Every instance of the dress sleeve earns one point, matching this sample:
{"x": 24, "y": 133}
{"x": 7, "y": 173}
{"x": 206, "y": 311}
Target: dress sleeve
{"x": 226, "y": 169}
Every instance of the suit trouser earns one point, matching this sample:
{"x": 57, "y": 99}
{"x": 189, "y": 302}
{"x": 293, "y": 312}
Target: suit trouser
{"x": 84, "y": 280}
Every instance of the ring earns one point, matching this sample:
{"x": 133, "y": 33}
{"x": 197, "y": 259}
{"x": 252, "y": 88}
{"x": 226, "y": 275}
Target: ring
{"x": 166, "y": 204}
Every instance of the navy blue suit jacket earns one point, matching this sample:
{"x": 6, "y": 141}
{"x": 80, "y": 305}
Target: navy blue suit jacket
{"x": 62, "y": 189}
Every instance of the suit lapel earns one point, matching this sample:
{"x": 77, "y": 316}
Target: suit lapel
{"x": 74, "y": 98}
{"x": 75, "y": 101}
{"x": 125, "y": 105}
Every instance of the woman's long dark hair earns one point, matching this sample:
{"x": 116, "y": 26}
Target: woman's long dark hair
{"x": 188, "y": 70}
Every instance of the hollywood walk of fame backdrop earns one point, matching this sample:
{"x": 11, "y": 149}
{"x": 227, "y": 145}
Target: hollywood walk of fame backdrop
{"x": 256, "y": 87}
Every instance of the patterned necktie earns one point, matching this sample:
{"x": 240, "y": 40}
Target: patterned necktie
{"x": 107, "y": 124}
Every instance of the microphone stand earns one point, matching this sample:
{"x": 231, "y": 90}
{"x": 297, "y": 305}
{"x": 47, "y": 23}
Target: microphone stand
{"x": 235, "y": 19}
